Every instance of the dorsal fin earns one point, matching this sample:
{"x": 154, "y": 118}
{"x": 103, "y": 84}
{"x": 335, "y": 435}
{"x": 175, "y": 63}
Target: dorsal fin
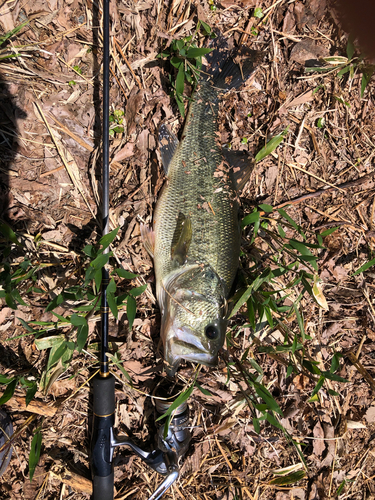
{"x": 241, "y": 166}
{"x": 168, "y": 143}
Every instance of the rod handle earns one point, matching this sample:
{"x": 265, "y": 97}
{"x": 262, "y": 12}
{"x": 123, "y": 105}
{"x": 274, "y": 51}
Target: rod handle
{"x": 103, "y": 389}
{"x": 103, "y": 487}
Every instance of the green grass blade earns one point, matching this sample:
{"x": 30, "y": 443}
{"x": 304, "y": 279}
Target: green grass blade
{"x": 365, "y": 266}
{"x": 9, "y": 391}
{"x": 271, "y": 145}
{"x": 125, "y": 274}
{"x": 184, "y": 396}
{"x": 9, "y": 234}
{"x": 36, "y": 446}
{"x": 107, "y": 239}
{"x": 131, "y": 309}
{"x": 12, "y": 32}
{"x": 193, "y": 52}
{"x": 292, "y": 478}
{"x": 30, "y": 393}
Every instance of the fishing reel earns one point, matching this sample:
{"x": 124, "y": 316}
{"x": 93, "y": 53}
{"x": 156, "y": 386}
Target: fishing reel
{"x": 170, "y": 446}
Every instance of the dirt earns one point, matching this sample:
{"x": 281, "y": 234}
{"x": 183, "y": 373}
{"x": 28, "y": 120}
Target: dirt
{"x": 50, "y": 139}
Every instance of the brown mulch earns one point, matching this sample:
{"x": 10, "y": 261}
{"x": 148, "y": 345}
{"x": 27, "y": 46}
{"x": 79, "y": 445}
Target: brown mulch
{"x": 50, "y": 132}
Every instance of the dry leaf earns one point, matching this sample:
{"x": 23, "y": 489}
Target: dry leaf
{"x": 318, "y": 294}
{"x": 223, "y": 429}
{"x": 329, "y": 434}
{"x": 350, "y": 424}
{"x": 271, "y": 176}
{"x": 301, "y": 99}
{"x": 6, "y": 18}
{"x": 5, "y": 313}
{"x": 300, "y": 381}
{"x": 61, "y": 387}
{"x": 370, "y": 415}
{"x": 318, "y": 444}
{"x": 307, "y": 51}
{"x": 126, "y": 152}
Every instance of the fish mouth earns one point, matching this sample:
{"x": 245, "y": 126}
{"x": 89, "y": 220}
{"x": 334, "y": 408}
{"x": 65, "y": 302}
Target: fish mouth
{"x": 185, "y": 346}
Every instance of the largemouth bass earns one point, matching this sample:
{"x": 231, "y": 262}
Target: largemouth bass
{"x": 195, "y": 239}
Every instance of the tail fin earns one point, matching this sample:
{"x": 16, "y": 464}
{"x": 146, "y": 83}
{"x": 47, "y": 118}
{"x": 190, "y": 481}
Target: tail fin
{"x": 229, "y": 69}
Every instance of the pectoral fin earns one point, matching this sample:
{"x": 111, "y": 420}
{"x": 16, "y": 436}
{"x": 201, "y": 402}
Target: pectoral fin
{"x": 182, "y": 238}
{"x": 168, "y": 143}
{"x": 242, "y": 166}
{"x": 148, "y": 239}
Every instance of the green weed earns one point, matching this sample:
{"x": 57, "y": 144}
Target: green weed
{"x": 69, "y": 330}
{"x": 36, "y": 446}
{"x": 184, "y": 396}
{"x": 6, "y": 53}
{"x": 186, "y": 57}
{"x": 116, "y": 122}
{"x": 347, "y": 65}
{"x": 258, "y": 13}
{"x": 272, "y": 290}
{"x": 364, "y": 267}
{"x": 271, "y": 145}
{"x": 21, "y": 278}
{"x": 81, "y": 300}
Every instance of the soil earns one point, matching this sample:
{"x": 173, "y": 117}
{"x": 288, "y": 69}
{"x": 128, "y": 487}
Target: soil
{"x": 50, "y": 140}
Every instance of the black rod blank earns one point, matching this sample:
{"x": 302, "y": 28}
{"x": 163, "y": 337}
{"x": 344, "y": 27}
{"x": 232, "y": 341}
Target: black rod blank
{"x": 104, "y": 370}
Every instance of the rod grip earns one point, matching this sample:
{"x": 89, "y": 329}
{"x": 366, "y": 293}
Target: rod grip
{"x": 101, "y": 450}
{"x": 103, "y": 487}
{"x": 103, "y": 389}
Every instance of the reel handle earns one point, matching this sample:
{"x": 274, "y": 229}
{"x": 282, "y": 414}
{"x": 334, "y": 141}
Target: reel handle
{"x": 165, "y": 485}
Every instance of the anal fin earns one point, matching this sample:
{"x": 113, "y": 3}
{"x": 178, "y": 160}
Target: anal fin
{"x": 241, "y": 166}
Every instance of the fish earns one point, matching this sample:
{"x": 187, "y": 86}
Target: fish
{"x": 195, "y": 236}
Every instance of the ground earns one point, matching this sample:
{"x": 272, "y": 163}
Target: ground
{"x": 50, "y": 132}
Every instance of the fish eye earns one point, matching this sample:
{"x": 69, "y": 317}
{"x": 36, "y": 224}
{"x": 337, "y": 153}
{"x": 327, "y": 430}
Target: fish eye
{"x": 211, "y": 332}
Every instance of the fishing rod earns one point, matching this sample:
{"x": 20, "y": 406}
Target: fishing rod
{"x": 170, "y": 446}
